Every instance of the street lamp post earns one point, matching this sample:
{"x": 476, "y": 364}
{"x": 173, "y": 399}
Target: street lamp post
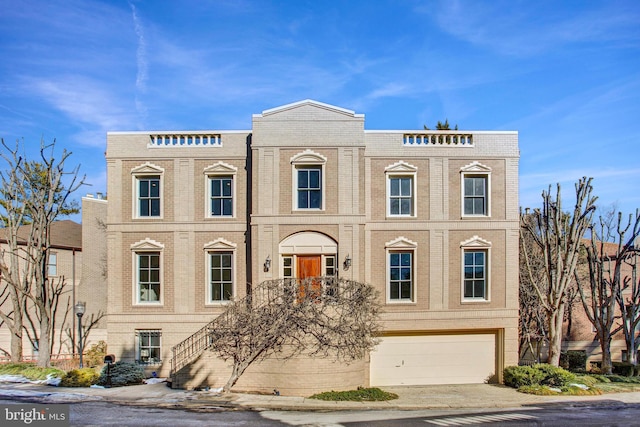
{"x": 79, "y": 309}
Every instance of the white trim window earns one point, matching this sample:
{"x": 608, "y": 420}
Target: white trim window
{"x": 52, "y": 264}
{"x": 221, "y": 272}
{"x": 401, "y": 190}
{"x": 147, "y": 183}
{"x": 475, "y": 269}
{"x": 221, "y": 192}
{"x": 147, "y": 274}
{"x": 148, "y": 267}
{"x": 308, "y": 180}
{"x": 221, "y": 276}
{"x": 401, "y": 270}
{"x": 148, "y": 347}
{"x": 476, "y": 189}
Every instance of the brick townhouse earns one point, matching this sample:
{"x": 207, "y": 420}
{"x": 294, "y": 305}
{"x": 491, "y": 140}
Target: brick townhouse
{"x": 429, "y": 218}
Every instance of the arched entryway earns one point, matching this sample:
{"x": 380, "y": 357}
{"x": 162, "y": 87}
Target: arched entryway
{"x": 308, "y": 254}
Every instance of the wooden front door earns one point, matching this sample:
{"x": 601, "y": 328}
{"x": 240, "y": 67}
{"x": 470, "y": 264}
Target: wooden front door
{"x": 308, "y": 267}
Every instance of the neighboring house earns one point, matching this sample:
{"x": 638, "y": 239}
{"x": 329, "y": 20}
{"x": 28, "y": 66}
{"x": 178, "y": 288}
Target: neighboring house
{"x": 64, "y": 263}
{"x": 82, "y": 270}
{"x": 579, "y": 332}
{"x": 429, "y": 218}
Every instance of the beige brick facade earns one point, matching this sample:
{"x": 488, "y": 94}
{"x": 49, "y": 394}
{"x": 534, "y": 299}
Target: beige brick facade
{"x": 356, "y": 168}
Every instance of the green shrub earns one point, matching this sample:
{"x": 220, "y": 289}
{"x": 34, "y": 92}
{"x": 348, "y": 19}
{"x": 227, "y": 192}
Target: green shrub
{"x": 623, "y": 368}
{"x": 84, "y": 377}
{"x": 554, "y": 376}
{"x": 537, "y": 389}
{"x": 600, "y": 378}
{"x": 122, "y": 373}
{"x": 359, "y": 395}
{"x": 574, "y": 360}
{"x": 95, "y": 355}
{"x": 518, "y": 376}
{"x": 588, "y": 380}
{"x": 30, "y": 371}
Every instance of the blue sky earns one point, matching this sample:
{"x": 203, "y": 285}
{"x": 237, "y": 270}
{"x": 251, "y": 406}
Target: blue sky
{"x": 564, "y": 74}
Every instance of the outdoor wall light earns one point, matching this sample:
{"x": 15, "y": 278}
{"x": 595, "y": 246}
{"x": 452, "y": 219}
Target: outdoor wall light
{"x": 267, "y": 263}
{"x": 79, "y": 309}
{"x": 347, "y": 262}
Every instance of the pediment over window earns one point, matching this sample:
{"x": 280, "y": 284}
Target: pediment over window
{"x": 475, "y": 167}
{"x": 147, "y": 168}
{"x": 147, "y": 245}
{"x": 308, "y": 157}
{"x": 475, "y": 242}
{"x": 401, "y": 167}
{"x": 401, "y": 243}
{"x": 220, "y": 168}
{"x": 220, "y": 244}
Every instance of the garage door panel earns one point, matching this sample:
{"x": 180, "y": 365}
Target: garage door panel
{"x": 433, "y": 359}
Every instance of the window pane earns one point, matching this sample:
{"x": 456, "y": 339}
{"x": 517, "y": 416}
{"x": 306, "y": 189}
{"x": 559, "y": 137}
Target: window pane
{"x": 405, "y": 290}
{"x": 479, "y": 289}
{"x": 406, "y": 258}
{"x": 215, "y": 188}
{"x": 406, "y": 274}
{"x": 395, "y": 187}
{"x": 478, "y": 186}
{"x": 216, "y": 275}
{"x": 215, "y": 293}
{"x": 155, "y": 276}
{"x": 478, "y": 206}
{"x": 468, "y": 258}
{"x": 226, "y": 275}
{"x": 227, "y": 291}
{"x": 468, "y": 289}
{"x": 394, "y": 292}
{"x": 155, "y": 207}
{"x": 314, "y": 179}
{"x": 406, "y": 187}
{"x": 315, "y": 199}
{"x": 144, "y": 208}
{"x": 303, "y": 179}
{"x": 479, "y": 258}
{"x": 154, "y": 188}
{"x": 395, "y": 207}
{"x": 303, "y": 199}
{"x": 154, "y": 261}
{"x": 394, "y": 259}
{"x": 405, "y": 207}
{"x": 144, "y": 188}
{"x": 394, "y": 274}
{"x": 226, "y": 188}
{"x": 468, "y": 186}
{"x": 226, "y": 260}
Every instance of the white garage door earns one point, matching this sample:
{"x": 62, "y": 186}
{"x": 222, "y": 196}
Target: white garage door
{"x": 433, "y": 359}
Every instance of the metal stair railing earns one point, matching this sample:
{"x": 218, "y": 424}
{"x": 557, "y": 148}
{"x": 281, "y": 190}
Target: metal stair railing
{"x": 185, "y": 352}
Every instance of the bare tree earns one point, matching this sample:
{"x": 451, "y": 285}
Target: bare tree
{"x": 16, "y": 270}
{"x": 558, "y": 236}
{"x": 533, "y": 324}
{"x": 40, "y": 192}
{"x": 601, "y": 290}
{"x": 628, "y": 296}
{"x": 319, "y": 317}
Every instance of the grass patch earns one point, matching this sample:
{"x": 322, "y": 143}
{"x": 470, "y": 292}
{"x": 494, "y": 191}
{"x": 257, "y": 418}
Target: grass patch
{"x": 30, "y": 371}
{"x": 359, "y": 395}
{"x": 543, "y": 390}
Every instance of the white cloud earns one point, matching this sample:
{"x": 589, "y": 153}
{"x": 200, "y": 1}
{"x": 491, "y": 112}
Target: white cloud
{"x": 529, "y": 28}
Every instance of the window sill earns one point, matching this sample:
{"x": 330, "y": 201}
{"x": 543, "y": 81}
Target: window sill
{"x": 401, "y": 302}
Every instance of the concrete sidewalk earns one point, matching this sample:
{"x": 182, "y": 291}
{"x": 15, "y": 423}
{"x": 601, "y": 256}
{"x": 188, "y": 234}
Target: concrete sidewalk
{"x": 410, "y": 398}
